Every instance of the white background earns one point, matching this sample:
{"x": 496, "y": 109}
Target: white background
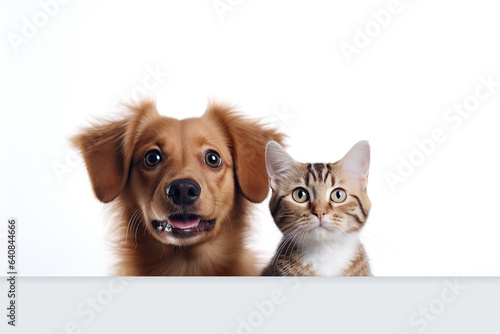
{"x": 270, "y": 58}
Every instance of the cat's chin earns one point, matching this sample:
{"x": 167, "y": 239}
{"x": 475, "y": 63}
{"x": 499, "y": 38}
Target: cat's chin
{"x": 324, "y": 233}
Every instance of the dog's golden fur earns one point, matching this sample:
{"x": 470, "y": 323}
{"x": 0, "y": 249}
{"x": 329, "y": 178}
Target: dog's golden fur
{"x": 114, "y": 154}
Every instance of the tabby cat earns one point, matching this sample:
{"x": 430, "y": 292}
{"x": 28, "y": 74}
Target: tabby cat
{"x": 320, "y": 209}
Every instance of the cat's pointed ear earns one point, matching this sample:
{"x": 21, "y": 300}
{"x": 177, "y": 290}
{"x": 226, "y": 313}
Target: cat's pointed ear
{"x": 277, "y": 159}
{"x": 357, "y": 161}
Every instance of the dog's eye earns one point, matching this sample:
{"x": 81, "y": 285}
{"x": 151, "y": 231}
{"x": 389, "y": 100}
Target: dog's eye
{"x": 212, "y": 159}
{"x": 152, "y": 158}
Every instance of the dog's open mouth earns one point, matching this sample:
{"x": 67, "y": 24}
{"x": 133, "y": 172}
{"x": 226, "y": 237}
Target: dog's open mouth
{"x": 183, "y": 225}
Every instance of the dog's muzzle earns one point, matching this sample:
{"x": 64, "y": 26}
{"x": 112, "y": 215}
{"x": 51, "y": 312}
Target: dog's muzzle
{"x": 183, "y": 225}
{"x": 183, "y": 192}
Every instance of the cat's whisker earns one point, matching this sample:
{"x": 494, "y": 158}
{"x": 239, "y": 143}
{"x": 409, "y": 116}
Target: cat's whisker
{"x": 301, "y": 238}
{"x": 290, "y": 226}
{"x": 380, "y": 240}
{"x": 281, "y": 247}
{"x": 286, "y": 240}
{"x": 293, "y": 243}
{"x": 283, "y": 216}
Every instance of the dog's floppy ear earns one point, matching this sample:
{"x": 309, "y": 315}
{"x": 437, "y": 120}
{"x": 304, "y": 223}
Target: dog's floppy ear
{"x": 107, "y": 150}
{"x": 247, "y": 140}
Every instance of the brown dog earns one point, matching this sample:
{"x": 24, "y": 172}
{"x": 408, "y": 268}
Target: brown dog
{"x": 181, "y": 189}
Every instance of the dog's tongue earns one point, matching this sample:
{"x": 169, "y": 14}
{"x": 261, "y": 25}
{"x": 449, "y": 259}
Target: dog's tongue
{"x": 183, "y": 222}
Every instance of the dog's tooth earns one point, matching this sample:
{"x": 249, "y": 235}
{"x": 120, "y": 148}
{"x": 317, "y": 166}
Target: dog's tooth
{"x": 168, "y": 228}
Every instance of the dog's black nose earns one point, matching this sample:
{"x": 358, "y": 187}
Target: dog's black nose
{"x": 183, "y": 192}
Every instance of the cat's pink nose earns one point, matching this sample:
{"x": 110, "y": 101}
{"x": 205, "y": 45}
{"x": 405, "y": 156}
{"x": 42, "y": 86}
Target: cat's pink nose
{"x": 319, "y": 214}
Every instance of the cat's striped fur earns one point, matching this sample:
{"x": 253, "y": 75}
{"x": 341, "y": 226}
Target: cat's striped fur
{"x": 320, "y": 236}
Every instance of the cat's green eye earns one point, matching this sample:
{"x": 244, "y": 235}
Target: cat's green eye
{"x": 300, "y": 195}
{"x": 338, "y": 195}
